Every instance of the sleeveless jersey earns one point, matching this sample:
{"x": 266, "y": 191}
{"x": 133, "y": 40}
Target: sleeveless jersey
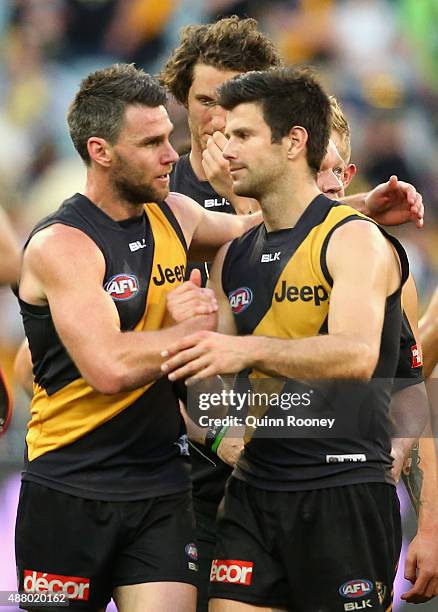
{"x": 130, "y": 445}
{"x": 278, "y": 285}
{"x": 209, "y": 473}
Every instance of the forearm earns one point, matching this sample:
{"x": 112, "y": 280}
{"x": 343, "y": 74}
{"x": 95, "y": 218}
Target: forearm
{"x": 137, "y": 359}
{"x": 428, "y": 509}
{"x": 410, "y": 415}
{"x": 328, "y": 356}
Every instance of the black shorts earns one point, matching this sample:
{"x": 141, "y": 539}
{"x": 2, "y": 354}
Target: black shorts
{"x": 326, "y": 550}
{"x": 206, "y": 536}
{"x": 90, "y": 547}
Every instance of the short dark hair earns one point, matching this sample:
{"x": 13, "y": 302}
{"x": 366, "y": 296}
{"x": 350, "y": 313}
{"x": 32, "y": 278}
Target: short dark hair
{"x": 287, "y": 97}
{"x": 229, "y": 44}
{"x": 99, "y": 106}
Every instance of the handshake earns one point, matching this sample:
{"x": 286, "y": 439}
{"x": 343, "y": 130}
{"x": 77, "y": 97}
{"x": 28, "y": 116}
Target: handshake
{"x": 190, "y": 300}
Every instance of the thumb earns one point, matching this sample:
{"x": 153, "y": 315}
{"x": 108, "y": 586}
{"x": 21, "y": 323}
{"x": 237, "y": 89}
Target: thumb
{"x": 393, "y": 180}
{"x": 195, "y": 277}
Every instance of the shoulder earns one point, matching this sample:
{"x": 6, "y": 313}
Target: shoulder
{"x": 187, "y": 212}
{"x": 59, "y": 245}
{"x": 358, "y": 235}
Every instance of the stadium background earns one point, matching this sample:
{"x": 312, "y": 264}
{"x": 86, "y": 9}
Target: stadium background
{"x": 379, "y": 57}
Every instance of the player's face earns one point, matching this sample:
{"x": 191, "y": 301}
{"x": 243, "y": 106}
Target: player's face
{"x": 256, "y": 163}
{"x": 348, "y": 170}
{"x": 204, "y": 116}
{"x": 329, "y": 177}
{"x": 142, "y": 157}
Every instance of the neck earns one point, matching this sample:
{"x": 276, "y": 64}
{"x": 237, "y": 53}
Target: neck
{"x": 102, "y": 194}
{"x": 283, "y": 206}
{"x": 195, "y": 158}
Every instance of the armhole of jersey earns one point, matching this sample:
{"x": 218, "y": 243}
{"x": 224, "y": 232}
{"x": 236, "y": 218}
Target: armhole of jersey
{"x": 226, "y": 266}
{"x": 402, "y": 255}
{"x": 95, "y": 239}
{"x": 403, "y": 258}
{"x": 323, "y": 255}
{"x": 166, "y": 210}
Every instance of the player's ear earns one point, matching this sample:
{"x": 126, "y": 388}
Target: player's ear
{"x": 296, "y": 141}
{"x": 349, "y": 174}
{"x": 99, "y": 151}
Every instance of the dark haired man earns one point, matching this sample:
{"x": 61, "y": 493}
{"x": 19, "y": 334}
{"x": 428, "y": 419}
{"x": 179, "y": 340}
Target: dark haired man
{"x": 287, "y": 495}
{"x": 207, "y": 56}
{"x": 105, "y": 505}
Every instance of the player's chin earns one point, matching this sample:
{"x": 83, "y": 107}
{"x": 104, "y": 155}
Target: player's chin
{"x": 241, "y": 189}
{"x": 161, "y": 191}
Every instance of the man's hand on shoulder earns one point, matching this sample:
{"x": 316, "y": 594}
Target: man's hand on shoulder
{"x": 394, "y": 202}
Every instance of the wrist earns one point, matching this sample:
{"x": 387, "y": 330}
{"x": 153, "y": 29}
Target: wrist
{"x": 214, "y": 436}
{"x": 363, "y": 204}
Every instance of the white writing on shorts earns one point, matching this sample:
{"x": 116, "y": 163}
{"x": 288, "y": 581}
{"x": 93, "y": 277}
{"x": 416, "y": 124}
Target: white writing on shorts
{"x": 39, "y": 582}
{"x": 230, "y": 570}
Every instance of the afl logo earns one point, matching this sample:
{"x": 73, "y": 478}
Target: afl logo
{"x": 356, "y": 588}
{"x": 191, "y": 551}
{"x": 122, "y": 286}
{"x": 240, "y": 299}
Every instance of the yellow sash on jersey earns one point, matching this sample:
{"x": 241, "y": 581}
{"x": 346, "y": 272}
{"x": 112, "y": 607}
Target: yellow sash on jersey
{"x": 77, "y": 409}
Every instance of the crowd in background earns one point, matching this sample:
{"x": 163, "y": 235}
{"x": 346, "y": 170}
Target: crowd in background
{"x": 379, "y": 57}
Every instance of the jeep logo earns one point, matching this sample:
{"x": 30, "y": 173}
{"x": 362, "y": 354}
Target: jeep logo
{"x": 317, "y": 293}
{"x": 168, "y": 274}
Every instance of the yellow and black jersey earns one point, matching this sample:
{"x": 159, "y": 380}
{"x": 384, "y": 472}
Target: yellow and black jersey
{"x": 278, "y": 285}
{"x": 125, "y": 446}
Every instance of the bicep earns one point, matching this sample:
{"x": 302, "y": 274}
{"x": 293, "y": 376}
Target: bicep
{"x": 69, "y": 269}
{"x": 364, "y": 271}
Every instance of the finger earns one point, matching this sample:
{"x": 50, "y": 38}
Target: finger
{"x": 417, "y": 208}
{"x": 411, "y": 568}
{"x": 420, "y": 204}
{"x": 420, "y": 587}
{"x": 203, "y": 309}
{"x": 192, "y": 370}
{"x": 220, "y": 139}
{"x": 181, "y": 345}
{"x": 190, "y": 299}
{"x": 409, "y": 191}
{"x": 181, "y": 359}
{"x": 183, "y": 288}
{"x": 206, "y": 372}
{"x": 215, "y": 146}
{"x": 195, "y": 277}
{"x": 393, "y": 181}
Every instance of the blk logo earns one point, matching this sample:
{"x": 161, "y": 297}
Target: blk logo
{"x": 268, "y": 257}
{"x": 215, "y": 203}
{"x": 137, "y": 245}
